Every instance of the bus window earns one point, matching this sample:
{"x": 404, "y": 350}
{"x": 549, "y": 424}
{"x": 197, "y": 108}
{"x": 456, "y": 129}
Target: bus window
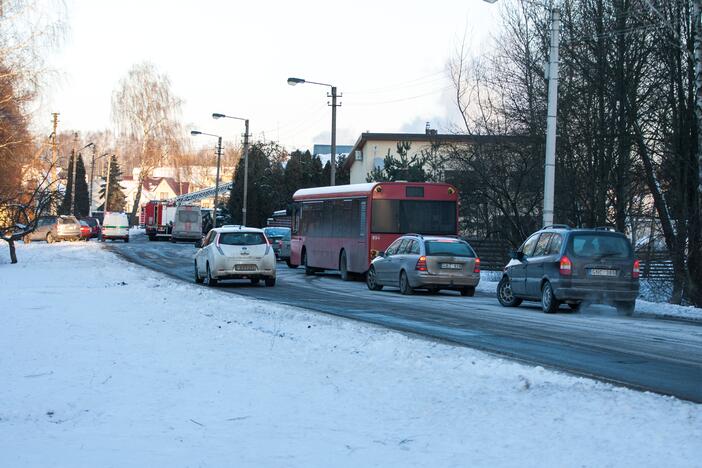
{"x": 402, "y": 216}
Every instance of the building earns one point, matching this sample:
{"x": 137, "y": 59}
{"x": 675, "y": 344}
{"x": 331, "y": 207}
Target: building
{"x": 370, "y": 149}
{"x": 154, "y": 188}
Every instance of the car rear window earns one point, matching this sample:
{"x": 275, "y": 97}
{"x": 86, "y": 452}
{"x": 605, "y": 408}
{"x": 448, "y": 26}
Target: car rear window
{"x": 284, "y": 233}
{"x": 448, "y": 247}
{"x": 242, "y": 238}
{"x": 189, "y": 217}
{"x": 600, "y": 246}
{"x": 67, "y": 220}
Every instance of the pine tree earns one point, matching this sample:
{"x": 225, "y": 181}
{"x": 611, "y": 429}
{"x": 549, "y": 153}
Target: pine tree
{"x": 117, "y": 197}
{"x": 82, "y": 201}
{"x": 65, "y": 207}
{"x": 402, "y": 167}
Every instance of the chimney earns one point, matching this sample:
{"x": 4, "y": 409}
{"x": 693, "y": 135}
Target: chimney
{"x": 429, "y": 130}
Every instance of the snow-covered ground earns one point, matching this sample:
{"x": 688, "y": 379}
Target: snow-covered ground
{"x": 103, "y": 363}
{"x": 489, "y": 280}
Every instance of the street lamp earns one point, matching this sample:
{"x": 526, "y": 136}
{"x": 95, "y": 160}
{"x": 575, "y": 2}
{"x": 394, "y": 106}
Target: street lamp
{"x": 219, "y": 157}
{"x": 217, "y": 115}
{"x": 334, "y": 105}
{"x": 73, "y": 184}
{"x": 551, "y": 113}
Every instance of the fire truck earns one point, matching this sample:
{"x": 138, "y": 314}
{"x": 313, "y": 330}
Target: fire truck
{"x": 158, "y": 216}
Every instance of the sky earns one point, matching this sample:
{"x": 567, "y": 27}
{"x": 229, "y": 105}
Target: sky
{"x": 388, "y": 60}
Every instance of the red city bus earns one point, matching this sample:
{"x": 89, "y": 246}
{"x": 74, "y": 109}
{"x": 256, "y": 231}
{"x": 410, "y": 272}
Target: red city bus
{"x": 344, "y": 227}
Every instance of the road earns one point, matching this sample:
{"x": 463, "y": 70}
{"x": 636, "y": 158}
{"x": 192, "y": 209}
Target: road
{"x": 650, "y": 354}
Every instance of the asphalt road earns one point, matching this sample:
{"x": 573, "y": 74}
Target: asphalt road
{"x": 657, "y": 355}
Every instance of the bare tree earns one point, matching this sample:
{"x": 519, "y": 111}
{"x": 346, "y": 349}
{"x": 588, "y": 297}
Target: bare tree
{"x": 146, "y": 111}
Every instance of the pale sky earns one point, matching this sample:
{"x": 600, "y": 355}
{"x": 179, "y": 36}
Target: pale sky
{"x": 387, "y": 58}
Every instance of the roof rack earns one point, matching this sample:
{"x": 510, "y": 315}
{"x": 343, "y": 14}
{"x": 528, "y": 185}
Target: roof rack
{"x": 605, "y": 228}
{"x": 556, "y": 226}
{"x": 413, "y": 234}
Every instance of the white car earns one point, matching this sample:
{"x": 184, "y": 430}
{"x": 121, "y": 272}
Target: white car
{"x": 235, "y": 252}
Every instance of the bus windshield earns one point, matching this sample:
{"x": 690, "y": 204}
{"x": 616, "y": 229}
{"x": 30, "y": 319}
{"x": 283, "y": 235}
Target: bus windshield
{"x": 402, "y": 216}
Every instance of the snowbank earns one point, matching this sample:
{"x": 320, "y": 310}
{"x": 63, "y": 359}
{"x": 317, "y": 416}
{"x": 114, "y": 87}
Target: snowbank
{"x": 107, "y": 364}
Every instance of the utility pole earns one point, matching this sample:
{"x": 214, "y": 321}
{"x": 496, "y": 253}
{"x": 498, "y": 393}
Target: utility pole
{"x": 107, "y": 185}
{"x": 92, "y": 173}
{"x": 219, "y": 157}
{"x": 54, "y": 159}
{"x": 246, "y": 171}
{"x": 334, "y": 105}
{"x": 73, "y": 182}
{"x": 550, "y": 160}
{"x": 697, "y": 47}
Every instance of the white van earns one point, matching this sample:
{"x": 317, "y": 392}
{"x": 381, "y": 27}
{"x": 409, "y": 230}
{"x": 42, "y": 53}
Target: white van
{"x": 115, "y": 225}
{"x": 187, "y": 224}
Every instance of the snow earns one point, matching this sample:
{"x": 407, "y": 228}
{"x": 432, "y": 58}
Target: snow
{"x": 104, "y": 363}
{"x": 489, "y": 280}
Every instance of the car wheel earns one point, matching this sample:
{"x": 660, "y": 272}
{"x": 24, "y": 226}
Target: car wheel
{"x": 505, "y": 295}
{"x": 626, "y": 307}
{"x": 50, "y": 238}
{"x": 468, "y": 291}
{"x": 309, "y": 271}
{"x": 255, "y": 281}
{"x": 126, "y": 240}
{"x": 343, "y": 267}
{"x": 290, "y": 265}
{"x": 270, "y": 282}
{"x": 549, "y": 303}
{"x": 372, "y": 280}
{"x": 405, "y": 287}
{"x": 198, "y": 280}
{"x": 575, "y": 306}
{"x": 210, "y": 280}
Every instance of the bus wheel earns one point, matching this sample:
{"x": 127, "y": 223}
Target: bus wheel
{"x": 343, "y": 267}
{"x": 309, "y": 271}
{"x": 290, "y": 265}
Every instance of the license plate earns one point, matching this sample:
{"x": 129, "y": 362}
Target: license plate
{"x": 451, "y": 266}
{"x": 245, "y": 267}
{"x": 602, "y": 272}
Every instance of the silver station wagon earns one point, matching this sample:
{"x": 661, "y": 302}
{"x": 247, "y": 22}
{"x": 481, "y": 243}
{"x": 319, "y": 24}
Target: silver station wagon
{"x": 426, "y": 262}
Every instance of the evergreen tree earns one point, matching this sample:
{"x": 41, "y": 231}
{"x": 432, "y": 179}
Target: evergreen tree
{"x": 82, "y": 201}
{"x": 267, "y": 184}
{"x": 117, "y": 197}
{"x": 400, "y": 167}
{"x": 65, "y": 207}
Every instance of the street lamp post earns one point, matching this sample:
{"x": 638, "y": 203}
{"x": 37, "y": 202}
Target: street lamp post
{"x": 73, "y": 184}
{"x": 334, "y": 105}
{"x": 219, "y": 157}
{"x": 551, "y": 116}
{"x": 217, "y": 115}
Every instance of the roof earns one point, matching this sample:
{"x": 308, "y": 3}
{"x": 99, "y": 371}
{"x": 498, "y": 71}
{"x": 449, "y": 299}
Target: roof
{"x": 439, "y": 138}
{"x": 335, "y": 190}
{"x": 151, "y": 183}
{"x": 237, "y": 228}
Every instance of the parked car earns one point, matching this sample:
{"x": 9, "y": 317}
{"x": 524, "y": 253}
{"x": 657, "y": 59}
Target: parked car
{"x": 433, "y": 263}
{"x": 85, "y": 230}
{"x": 94, "y": 224}
{"x": 559, "y": 265}
{"x": 55, "y": 228}
{"x": 235, "y": 252}
{"x": 115, "y": 226}
{"x": 187, "y": 223}
{"x": 279, "y": 237}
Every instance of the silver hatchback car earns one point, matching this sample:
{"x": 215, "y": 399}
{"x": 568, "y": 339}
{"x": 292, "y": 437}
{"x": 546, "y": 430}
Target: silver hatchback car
{"x": 426, "y": 262}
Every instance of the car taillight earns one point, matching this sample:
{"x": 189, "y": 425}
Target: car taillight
{"x": 636, "y": 271}
{"x": 421, "y": 264}
{"x": 476, "y": 267}
{"x": 566, "y": 267}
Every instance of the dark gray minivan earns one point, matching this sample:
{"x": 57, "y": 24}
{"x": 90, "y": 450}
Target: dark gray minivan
{"x": 559, "y": 265}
